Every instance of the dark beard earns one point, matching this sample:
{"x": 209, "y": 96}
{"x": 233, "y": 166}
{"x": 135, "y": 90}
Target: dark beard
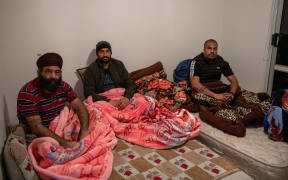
{"x": 103, "y": 61}
{"x": 50, "y": 84}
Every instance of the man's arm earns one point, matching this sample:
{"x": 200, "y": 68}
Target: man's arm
{"x": 196, "y": 84}
{"x": 42, "y": 131}
{"x": 233, "y": 84}
{"x": 83, "y": 116}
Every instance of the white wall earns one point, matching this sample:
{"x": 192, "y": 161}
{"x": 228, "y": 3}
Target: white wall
{"x": 3, "y": 121}
{"x": 246, "y": 28}
{"x": 141, "y": 33}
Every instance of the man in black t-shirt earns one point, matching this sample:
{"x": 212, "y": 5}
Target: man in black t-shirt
{"x": 208, "y": 68}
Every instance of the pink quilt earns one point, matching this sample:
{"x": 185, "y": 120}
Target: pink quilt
{"x": 144, "y": 122}
{"x": 92, "y": 158}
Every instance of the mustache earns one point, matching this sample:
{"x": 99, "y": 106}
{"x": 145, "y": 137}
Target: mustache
{"x": 50, "y": 84}
{"x": 105, "y": 60}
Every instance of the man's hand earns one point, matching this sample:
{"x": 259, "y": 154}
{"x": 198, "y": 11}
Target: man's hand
{"x": 115, "y": 103}
{"x": 229, "y": 96}
{"x": 222, "y": 96}
{"x": 68, "y": 144}
{"x": 123, "y": 103}
{"x": 83, "y": 134}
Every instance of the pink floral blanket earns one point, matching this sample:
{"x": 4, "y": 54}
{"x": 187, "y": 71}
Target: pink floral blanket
{"x": 144, "y": 122}
{"x": 148, "y": 123}
{"x": 91, "y": 158}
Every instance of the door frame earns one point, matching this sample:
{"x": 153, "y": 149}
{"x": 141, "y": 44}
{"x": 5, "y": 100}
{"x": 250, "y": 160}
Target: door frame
{"x": 275, "y": 28}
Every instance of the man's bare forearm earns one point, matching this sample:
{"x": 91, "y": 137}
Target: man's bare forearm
{"x": 83, "y": 117}
{"x": 82, "y": 113}
{"x": 234, "y": 85}
{"x": 42, "y": 131}
{"x": 195, "y": 83}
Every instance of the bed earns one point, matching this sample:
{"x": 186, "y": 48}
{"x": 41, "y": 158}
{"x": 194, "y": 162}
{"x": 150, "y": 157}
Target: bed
{"x": 256, "y": 154}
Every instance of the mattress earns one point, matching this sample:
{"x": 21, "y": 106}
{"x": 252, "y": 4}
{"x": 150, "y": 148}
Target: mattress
{"x": 256, "y": 154}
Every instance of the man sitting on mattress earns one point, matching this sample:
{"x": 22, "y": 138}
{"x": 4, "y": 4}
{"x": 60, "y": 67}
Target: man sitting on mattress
{"x": 42, "y": 99}
{"x": 107, "y": 73}
{"x": 226, "y": 107}
{"x": 209, "y": 67}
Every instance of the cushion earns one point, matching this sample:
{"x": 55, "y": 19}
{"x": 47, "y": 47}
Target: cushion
{"x": 16, "y": 157}
{"x": 170, "y": 94}
{"x": 157, "y": 67}
{"x": 234, "y": 127}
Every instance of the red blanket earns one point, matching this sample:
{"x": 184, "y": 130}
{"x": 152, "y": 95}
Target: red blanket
{"x": 148, "y": 123}
{"x": 144, "y": 122}
{"x": 92, "y": 158}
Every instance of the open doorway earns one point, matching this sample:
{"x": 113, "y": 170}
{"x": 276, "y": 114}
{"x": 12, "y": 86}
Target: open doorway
{"x": 278, "y": 75}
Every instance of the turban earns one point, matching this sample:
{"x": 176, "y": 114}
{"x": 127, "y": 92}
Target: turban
{"x": 103, "y": 44}
{"x": 50, "y": 59}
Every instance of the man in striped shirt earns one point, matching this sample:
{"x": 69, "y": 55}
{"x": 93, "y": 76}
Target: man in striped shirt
{"x": 209, "y": 67}
{"x": 42, "y": 99}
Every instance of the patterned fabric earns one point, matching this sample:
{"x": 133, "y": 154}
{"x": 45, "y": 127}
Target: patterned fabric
{"x": 30, "y": 102}
{"x": 17, "y": 158}
{"x": 247, "y": 107}
{"x": 276, "y": 121}
{"x": 146, "y": 122}
{"x": 190, "y": 161}
{"x": 91, "y": 154}
{"x": 170, "y": 94}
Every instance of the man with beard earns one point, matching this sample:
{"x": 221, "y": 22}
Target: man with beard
{"x": 107, "y": 73}
{"x": 42, "y": 99}
{"x": 208, "y": 68}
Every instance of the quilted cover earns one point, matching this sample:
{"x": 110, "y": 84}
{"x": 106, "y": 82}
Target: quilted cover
{"x": 193, "y": 160}
{"x": 255, "y": 153}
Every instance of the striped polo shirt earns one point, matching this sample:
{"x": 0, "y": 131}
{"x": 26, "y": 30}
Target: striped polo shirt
{"x": 30, "y": 102}
{"x": 210, "y": 70}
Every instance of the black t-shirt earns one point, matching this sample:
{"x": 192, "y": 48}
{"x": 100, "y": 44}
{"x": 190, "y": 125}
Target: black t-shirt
{"x": 211, "y": 70}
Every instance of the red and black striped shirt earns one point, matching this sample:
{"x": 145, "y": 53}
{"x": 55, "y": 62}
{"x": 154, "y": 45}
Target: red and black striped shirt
{"x": 30, "y": 102}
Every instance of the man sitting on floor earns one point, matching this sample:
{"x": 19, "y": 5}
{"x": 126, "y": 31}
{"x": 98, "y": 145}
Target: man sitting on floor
{"x": 106, "y": 73}
{"x": 42, "y": 99}
{"x": 209, "y": 67}
{"x": 226, "y": 107}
